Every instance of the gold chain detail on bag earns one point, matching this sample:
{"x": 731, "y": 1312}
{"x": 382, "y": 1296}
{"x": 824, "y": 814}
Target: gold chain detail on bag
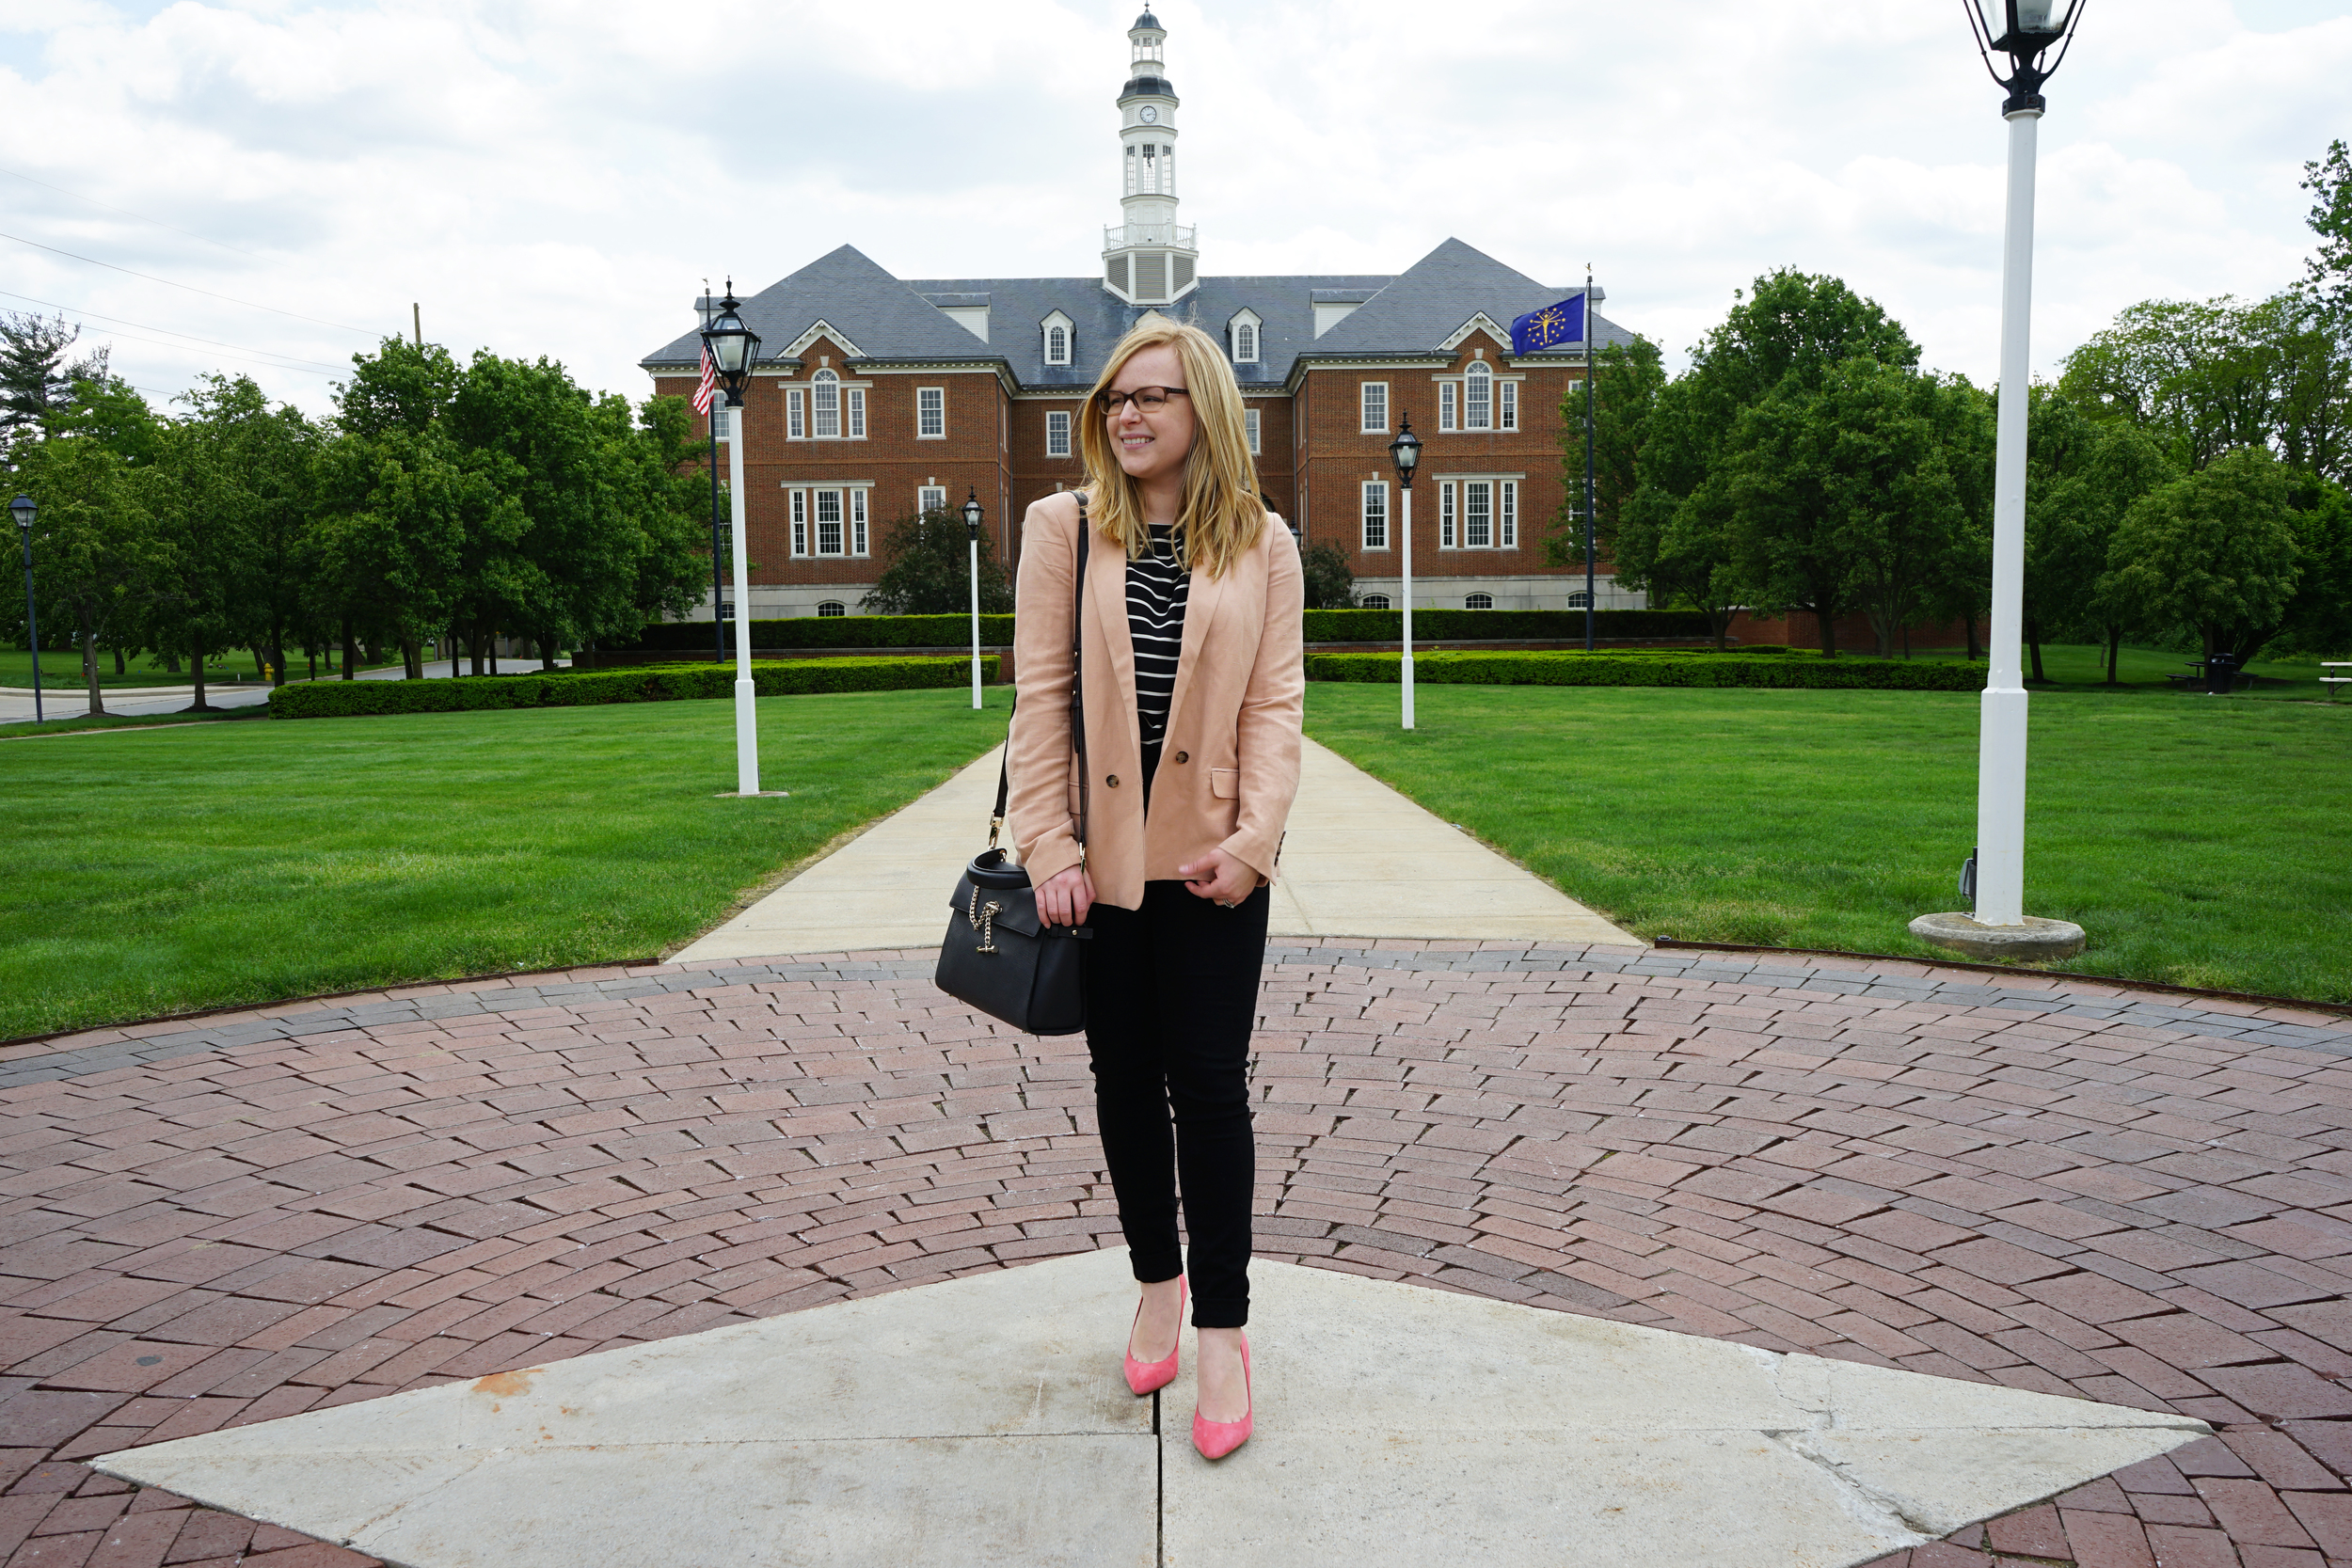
{"x": 983, "y": 920}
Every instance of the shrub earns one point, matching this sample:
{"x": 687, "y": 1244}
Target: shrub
{"x": 832, "y": 631}
{"x": 654, "y": 684}
{"x": 1501, "y": 626}
{"x": 1690, "y": 667}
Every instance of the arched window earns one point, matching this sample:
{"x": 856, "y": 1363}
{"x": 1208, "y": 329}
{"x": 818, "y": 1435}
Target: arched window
{"x": 833, "y": 606}
{"x": 1375, "y": 601}
{"x": 1246, "y": 342}
{"x": 826, "y": 394}
{"x": 1579, "y": 599}
{"x": 1478, "y": 397}
{"x": 1479, "y": 601}
{"x": 1058, "y": 344}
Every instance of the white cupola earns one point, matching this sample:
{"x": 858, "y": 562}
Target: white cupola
{"x": 1148, "y": 258}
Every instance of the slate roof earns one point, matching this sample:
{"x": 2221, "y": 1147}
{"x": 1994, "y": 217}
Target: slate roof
{"x": 891, "y": 319}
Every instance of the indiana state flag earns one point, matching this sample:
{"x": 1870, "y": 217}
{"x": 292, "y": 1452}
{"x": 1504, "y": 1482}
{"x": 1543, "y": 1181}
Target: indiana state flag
{"x": 1541, "y": 330}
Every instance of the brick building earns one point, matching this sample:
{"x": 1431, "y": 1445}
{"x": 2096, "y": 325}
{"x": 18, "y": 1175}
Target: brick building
{"x": 877, "y": 395}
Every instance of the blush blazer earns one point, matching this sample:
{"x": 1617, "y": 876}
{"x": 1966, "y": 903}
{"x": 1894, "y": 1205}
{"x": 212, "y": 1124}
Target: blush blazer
{"x": 1228, "y": 763}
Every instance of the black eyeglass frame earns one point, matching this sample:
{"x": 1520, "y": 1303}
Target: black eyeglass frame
{"x": 1112, "y": 404}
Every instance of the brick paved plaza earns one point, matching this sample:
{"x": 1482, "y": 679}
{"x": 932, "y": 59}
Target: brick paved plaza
{"x": 2129, "y": 1198}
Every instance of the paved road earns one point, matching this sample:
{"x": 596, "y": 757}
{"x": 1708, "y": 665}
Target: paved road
{"x": 2042, "y": 1183}
{"x": 73, "y": 702}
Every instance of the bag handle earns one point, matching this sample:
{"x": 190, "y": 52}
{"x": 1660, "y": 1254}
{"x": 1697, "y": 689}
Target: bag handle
{"x": 1077, "y": 704}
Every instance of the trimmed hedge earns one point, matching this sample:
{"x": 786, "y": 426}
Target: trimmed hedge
{"x": 832, "y": 631}
{"x": 1499, "y": 626}
{"x": 663, "y": 683}
{"x": 1799, "y": 668}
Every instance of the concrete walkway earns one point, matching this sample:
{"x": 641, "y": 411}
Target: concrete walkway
{"x": 1360, "y": 860}
{"x": 982, "y": 1421}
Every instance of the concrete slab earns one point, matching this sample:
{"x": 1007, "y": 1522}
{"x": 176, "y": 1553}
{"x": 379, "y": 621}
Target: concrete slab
{"x": 1360, "y": 860}
{"x": 983, "y": 1421}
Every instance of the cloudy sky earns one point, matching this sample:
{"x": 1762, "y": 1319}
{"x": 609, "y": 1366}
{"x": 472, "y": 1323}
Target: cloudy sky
{"x": 557, "y": 177}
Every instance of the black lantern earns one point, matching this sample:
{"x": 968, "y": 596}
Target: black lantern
{"x": 2027, "y": 31}
{"x": 733, "y": 347}
{"x": 1406, "y": 450}
{"x": 22, "y": 510}
{"x": 972, "y": 514}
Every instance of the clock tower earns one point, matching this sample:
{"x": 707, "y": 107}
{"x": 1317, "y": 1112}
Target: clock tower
{"x": 1148, "y": 258}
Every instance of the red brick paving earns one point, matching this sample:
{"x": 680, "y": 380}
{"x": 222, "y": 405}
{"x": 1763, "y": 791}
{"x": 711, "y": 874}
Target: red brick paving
{"x": 2146, "y": 1215}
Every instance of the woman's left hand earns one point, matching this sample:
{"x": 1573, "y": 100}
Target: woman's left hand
{"x": 1218, "y": 874}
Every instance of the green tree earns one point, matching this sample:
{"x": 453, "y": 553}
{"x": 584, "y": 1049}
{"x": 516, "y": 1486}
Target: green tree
{"x": 1627, "y": 380}
{"x": 1329, "y": 583}
{"x": 37, "y": 372}
{"x": 2213, "y": 551}
{"x": 927, "y": 570}
{"x": 2329, "y": 274}
{"x": 97, "y": 557}
{"x": 1961, "y": 587}
{"x": 259, "y": 485}
{"x": 2318, "y": 620}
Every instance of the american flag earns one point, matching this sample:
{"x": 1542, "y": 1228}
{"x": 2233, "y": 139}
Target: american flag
{"x": 708, "y": 385}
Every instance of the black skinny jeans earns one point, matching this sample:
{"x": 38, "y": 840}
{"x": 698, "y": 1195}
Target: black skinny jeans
{"x": 1171, "y": 994}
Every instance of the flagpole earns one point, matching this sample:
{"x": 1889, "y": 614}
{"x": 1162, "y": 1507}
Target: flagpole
{"x": 1589, "y": 491}
{"x": 705, "y": 393}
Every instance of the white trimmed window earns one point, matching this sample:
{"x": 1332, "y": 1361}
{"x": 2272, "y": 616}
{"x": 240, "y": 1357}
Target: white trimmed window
{"x": 931, "y": 413}
{"x": 1506, "y": 405}
{"x": 929, "y": 498}
{"x": 828, "y": 522}
{"x": 1374, "y": 400}
{"x": 1376, "y": 513}
{"x": 1252, "y": 423}
{"x": 795, "y": 413}
{"x": 1057, "y": 433}
{"x": 1447, "y": 404}
{"x": 1375, "y": 601}
{"x": 1478, "y": 519}
{"x": 800, "y": 522}
{"x": 1478, "y": 397}
{"x": 722, "y": 423}
{"x": 1579, "y": 600}
{"x": 1478, "y": 601}
{"x": 825, "y": 399}
{"x": 1507, "y": 511}
{"x": 1445, "y": 514}
{"x": 831, "y": 607}
{"x": 1058, "y": 344}
{"x": 1246, "y": 342}
{"x": 856, "y": 431}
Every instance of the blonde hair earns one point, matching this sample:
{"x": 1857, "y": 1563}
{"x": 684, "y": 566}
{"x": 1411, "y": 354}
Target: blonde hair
{"x": 1221, "y": 515}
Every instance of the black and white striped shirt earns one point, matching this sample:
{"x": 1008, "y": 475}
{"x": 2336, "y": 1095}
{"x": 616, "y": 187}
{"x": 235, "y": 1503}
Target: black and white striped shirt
{"x": 1156, "y": 586}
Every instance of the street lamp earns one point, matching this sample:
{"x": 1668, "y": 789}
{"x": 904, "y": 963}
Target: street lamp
{"x": 972, "y": 516}
{"x": 733, "y": 350}
{"x": 1405, "y": 452}
{"x": 22, "y": 509}
{"x": 1999, "y": 926}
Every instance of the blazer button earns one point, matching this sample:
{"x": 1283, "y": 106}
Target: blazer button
{"x": 1184, "y": 756}
{"x": 1112, "y": 779}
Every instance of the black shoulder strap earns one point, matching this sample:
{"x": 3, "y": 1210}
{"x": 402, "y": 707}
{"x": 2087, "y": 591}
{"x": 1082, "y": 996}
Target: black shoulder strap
{"x": 1077, "y": 701}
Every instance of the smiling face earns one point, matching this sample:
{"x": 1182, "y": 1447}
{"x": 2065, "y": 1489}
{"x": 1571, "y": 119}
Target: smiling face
{"x": 1152, "y": 445}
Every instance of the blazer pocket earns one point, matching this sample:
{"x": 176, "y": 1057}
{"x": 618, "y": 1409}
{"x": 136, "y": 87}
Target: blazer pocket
{"x": 1225, "y": 783}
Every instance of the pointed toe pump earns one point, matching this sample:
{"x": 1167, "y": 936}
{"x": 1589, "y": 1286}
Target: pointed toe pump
{"x": 1145, "y": 1376}
{"x": 1216, "y": 1439}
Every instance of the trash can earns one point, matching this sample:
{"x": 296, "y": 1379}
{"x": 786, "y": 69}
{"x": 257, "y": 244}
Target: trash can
{"x": 2221, "y": 673}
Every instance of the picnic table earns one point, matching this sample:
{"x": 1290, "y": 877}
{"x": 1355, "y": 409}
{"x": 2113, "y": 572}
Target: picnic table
{"x": 2332, "y": 682}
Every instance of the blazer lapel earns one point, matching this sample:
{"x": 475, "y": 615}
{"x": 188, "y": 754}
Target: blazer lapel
{"x": 1203, "y": 593}
{"x": 1107, "y": 602}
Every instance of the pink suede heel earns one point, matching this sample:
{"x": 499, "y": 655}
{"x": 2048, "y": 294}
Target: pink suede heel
{"x": 1145, "y": 1376}
{"x": 1216, "y": 1439}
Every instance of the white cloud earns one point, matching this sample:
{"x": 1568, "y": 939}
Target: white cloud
{"x": 557, "y": 178}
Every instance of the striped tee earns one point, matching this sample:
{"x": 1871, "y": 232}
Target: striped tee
{"x": 1156, "y": 586}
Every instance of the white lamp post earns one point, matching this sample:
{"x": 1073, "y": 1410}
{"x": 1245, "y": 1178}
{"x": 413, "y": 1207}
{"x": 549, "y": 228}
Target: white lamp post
{"x": 971, "y": 543}
{"x": 1999, "y": 926}
{"x": 734, "y": 349}
{"x": 1405, "y": 452}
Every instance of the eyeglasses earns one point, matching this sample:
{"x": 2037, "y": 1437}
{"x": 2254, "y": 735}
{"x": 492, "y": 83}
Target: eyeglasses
{"x": 1150, "y": 398}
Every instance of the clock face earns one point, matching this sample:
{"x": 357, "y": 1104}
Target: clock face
{"x": 1147, "y": 113}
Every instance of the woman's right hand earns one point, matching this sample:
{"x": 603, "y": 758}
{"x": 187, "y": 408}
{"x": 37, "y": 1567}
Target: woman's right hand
{"x": 1064, "y": 897}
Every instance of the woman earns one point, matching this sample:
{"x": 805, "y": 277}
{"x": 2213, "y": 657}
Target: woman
{"x": 1192, "y": 690}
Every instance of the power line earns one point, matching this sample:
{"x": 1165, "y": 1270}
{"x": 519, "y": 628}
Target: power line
{"x": 266, "y": 364}
{"x": 126, "y": 212}
{"x": 341, "y": 326}
{"x": 146, "y": 326}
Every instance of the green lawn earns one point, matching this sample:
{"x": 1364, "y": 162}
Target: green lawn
{"x": 203, "y": 864}
{"x": 2199, "y": 842}
{"x": 61, "y": 669}
{"x": 2070, "y": 666}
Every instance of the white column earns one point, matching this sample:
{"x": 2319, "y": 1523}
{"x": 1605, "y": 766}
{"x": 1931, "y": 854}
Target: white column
{"x": 1408, "y": 607}
{"x": 746, "y": 705}
{"x": 2001, "y": 744}
{"x": 976, "y": 622}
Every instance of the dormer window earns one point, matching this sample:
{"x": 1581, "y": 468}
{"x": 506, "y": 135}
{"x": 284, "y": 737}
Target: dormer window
{"x": 1241, "y": 335}
{"x": 1059, "y": 336}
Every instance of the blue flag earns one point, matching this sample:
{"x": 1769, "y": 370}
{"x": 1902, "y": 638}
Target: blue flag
{"x": 1541, "y": 330}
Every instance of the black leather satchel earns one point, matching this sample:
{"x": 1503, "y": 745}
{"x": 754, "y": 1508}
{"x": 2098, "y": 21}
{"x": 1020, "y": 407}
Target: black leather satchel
{"x": 998, "y": 956}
